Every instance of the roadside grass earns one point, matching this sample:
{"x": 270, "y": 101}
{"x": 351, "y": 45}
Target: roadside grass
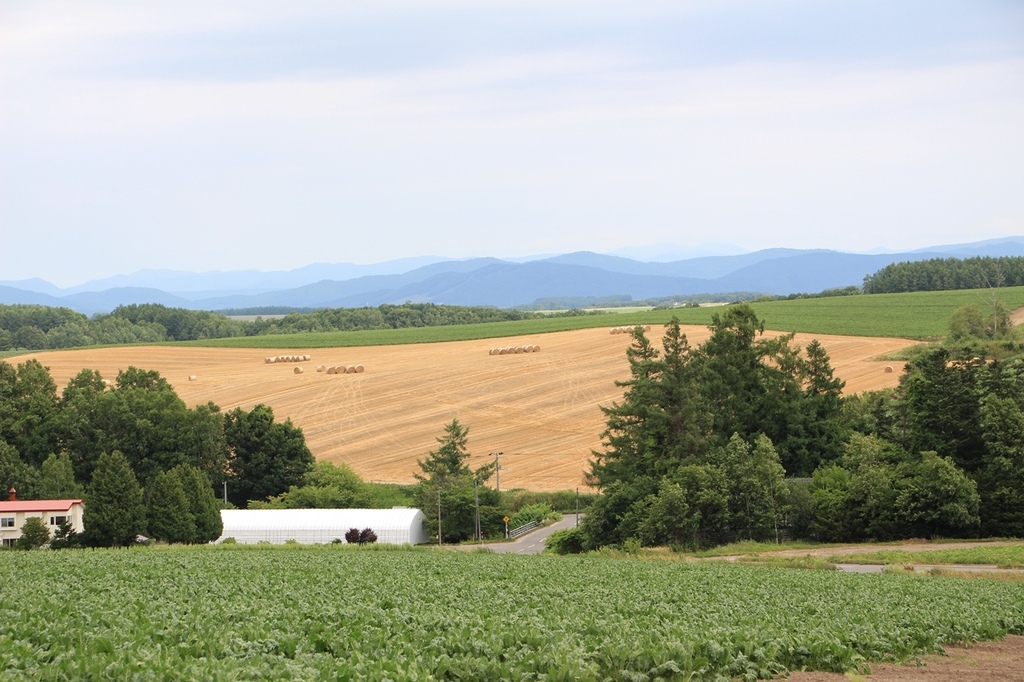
{"x": 1002, "y": 556}
{"x": 751, "y": 548}
{"x": 918, "y": 315}
{"x": 807, "y": 561}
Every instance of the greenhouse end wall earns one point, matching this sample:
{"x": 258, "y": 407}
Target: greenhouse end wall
{"x": 397, "y": 526}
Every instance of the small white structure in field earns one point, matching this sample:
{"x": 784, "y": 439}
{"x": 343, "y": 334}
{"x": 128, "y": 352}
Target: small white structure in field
{"x": 396, "y": 526}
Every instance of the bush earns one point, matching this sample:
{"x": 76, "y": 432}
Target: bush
{"x": 531, "y": 513}
{"x": 567, "y": 541}
{"x": 34, "y": 534}
{"x": 366, "y": 536}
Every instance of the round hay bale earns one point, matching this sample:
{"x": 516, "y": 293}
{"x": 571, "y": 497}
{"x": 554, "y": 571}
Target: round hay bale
{"x": 108, "y": 382}
{"x": 298, "y": 370}
{"x": 320, "y": 368}
{"x": 503, "y": 351}
{"x": 490, "y": 352}
{"x": 350, "y": 369}
{"x": 332, "y": 370}
{"x": 647, "y": 327}
{"x": 536, "y": 349}
{"x": 359, "y": 369}
{"x": 192, "y": 377}
{"x": 888, "y": 369}
{"x": 271, "y": 360}
{"x": 307, "y": 357}
{"x": 519, "y": 350}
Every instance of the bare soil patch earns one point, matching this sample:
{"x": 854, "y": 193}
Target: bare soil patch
{"x": 981, "y": 661}
{"x": 1017, "y": 317}
{"x": 541, "y": 409}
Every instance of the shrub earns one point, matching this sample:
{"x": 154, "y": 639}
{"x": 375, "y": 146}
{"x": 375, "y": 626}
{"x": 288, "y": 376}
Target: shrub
{"x": 34, "y": 534}
{"x": 567, "y": 541}
{"x": 530, "y": 513}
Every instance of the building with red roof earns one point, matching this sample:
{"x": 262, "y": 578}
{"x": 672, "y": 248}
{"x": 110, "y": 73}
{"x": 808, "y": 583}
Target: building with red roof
{"x": 14, "y": 512}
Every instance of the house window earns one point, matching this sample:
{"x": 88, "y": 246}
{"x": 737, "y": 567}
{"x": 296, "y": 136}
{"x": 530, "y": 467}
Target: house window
{"x": 8, "y": 542}
{"x": 6, "y": 522}
{"x": 57, "y": 520}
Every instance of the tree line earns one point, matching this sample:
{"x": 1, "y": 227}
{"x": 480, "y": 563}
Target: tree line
{"x": 37, "y": 327}
{"x": 134, "y": 451}
{"x": 746, "y": 437}
{"x": 943, "y": 274}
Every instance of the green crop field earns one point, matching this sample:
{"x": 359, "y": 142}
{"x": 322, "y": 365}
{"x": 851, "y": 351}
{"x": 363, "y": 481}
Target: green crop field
{"x": 920, "y": 315}
{"x": 311, "y": 613}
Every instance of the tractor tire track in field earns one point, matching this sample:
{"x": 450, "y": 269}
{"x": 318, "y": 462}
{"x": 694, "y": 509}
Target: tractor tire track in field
{"x": 542, "y": 409}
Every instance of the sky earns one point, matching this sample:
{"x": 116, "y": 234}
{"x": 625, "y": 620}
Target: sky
{"x": 249, "y": 134}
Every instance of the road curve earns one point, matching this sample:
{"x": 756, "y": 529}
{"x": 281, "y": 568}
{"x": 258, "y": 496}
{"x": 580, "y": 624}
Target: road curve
{"x": 532, "y": 542}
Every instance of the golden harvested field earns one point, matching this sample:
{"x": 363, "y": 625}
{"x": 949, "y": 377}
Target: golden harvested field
{"x": 540, "y": 409}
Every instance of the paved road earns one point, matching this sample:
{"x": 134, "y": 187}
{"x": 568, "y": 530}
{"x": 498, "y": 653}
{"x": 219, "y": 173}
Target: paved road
{"x": 530, "y": 543}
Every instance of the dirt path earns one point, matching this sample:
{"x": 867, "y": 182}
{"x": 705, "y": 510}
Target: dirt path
{"x": 920, "y": 546}
{"x": 1017, "y": 317}
{"x": 982, "y": 661}
{"x": 541, "y": 409}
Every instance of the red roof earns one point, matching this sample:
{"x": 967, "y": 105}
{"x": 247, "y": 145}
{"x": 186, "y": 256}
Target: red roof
{"x": 37, "y": 505}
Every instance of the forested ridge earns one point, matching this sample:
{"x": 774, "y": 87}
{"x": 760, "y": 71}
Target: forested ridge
{"x": 36, "y": 327}
{"x": 944, "y": 274}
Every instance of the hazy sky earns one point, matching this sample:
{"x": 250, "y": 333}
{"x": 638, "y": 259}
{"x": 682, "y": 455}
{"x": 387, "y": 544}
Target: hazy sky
{"x": 269, "y": 135}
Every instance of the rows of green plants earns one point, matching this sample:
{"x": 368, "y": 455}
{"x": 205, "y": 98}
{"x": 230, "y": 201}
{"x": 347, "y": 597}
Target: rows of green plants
{"x": 293, "y": 612}
{"x": 918, "y": 315}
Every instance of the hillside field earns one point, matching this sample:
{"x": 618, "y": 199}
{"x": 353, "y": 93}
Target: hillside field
{"x": 541, "y": 409}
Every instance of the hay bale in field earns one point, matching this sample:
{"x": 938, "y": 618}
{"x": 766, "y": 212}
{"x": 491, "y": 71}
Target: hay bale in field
{"x": 647, "y": 327}
{"x": 320, "y": 368}
{"x": 359, "y": 369}
{"x": 271, "y": 360}
{"x": 298, "y": 370}
{"x": 192, "y": 377}
{"x": 108, "y": 382}
{"x": 519, "y": 349}
{"x": 332, "y": 370}
{"x": 350, "y": 369}
{"x": 888, "y": 369}
{"x": 536, "y": 349}
{"x": 307, "y": 357}
{"x": 502, "y": 351}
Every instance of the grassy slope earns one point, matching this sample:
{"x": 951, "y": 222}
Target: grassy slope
{"x": 920, "y": 315}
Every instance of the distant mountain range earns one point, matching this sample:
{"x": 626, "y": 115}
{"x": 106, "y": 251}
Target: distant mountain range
{"x": 491, "y": 281}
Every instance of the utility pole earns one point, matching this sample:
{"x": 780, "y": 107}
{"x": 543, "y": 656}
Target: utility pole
{"x": 497, "y": 470}
{"x": 476, "y": 497}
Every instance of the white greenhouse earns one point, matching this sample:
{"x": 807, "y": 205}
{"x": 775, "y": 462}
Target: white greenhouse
{"x": 397, "y": 526}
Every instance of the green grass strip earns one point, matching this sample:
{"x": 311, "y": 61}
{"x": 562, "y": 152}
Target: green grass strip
{"x": 919, "y": 315}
